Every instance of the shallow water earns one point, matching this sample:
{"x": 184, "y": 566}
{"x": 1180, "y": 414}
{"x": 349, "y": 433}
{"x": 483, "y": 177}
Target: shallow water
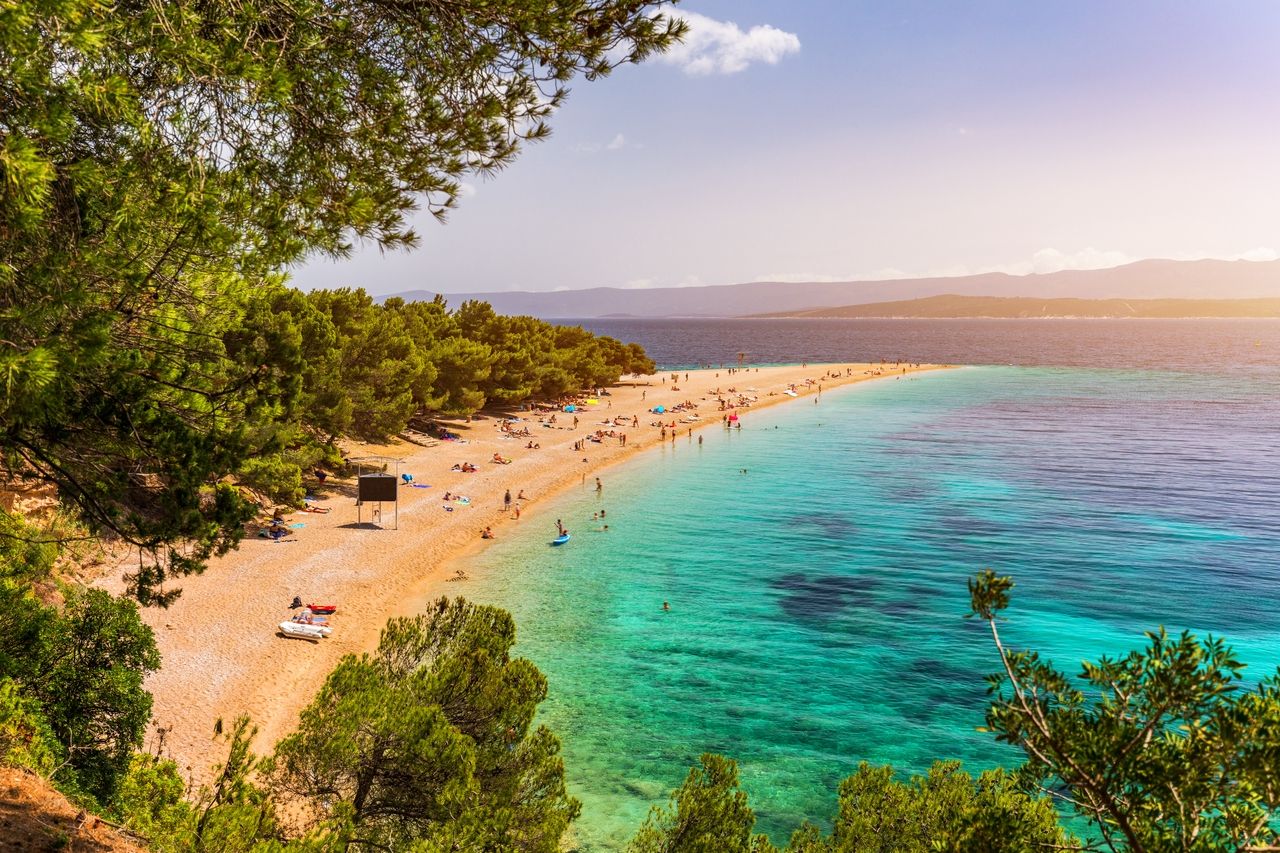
{"x": 815, "y": 563}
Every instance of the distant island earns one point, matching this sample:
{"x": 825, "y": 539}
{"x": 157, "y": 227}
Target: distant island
{"x": 1142, "y": 280}
{"x": 952, "y": 306}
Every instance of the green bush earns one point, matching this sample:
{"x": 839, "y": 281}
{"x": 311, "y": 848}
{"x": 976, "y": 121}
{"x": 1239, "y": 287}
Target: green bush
{"x": 25, "y": 738}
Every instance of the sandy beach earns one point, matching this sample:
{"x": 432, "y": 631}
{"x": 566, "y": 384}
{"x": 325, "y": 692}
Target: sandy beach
{"x": 222, "y": 653}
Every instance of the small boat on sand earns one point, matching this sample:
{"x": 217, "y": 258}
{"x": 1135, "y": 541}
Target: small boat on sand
{"x": 322, "y": 608}
{"x": 561, "y": 539}
{"x": 304, "y": 631}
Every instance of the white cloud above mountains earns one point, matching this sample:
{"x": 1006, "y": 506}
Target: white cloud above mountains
{"x": 722, "y": 47}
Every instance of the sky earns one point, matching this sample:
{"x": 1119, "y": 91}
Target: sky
{"x": 825, "y": 140}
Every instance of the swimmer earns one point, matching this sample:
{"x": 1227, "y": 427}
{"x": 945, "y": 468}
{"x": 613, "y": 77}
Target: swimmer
{"x": 665, "y": 606}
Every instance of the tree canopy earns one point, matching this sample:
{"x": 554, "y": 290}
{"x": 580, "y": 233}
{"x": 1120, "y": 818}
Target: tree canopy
{"x": 1161, "y": 749}
{"x": 161, "y": 163}
{"x": 432, "y": 739}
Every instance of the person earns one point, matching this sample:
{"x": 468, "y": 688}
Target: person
{"x": 487, "y": 533}
{"x": 560, "y": 527}
{"x": 506, "y": 500}
{"x": 321, "y": 475}
{"x": 520, "y": 496}
{"x": 599, "y": 486}
{"x": 595, "y": 516}
{"x": 602, "y": 513}
{"x": 665, "y": 606}
{"x": 517, "y": 509}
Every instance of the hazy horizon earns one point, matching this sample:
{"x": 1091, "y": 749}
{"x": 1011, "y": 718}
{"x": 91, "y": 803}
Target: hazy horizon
{"x": 829, "y": 141}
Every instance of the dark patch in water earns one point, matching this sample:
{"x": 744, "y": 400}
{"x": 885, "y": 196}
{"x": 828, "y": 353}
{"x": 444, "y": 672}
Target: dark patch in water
{"x": 909, "y": 493}
{"x": 821, "y": 596}
{"x": 900, "y": 607}
{"x": 832, "y": 526}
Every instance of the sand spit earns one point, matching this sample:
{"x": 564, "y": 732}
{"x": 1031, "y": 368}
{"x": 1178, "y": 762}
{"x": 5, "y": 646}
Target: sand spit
{"x": 222, "y": 654}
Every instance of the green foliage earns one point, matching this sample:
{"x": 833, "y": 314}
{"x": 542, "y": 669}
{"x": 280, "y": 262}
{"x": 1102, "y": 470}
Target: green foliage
{"x": 378, "y": 366}
{"x": 1161, "y": 749}
{"x": 430, "y": 740}
{"x": 232, "y": 814}
{"x": 707, "y": 814}
{"x": 86, "y": 671}
{"x": 945, "y": 810}
{"x": 72, "y": 675}
{"x": 149, "y": 803}
{"x": 26, "y": 554}
{"x": 25, "y": 739}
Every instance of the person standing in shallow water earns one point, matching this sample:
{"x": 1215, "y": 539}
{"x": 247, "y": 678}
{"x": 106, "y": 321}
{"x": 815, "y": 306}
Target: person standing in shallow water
{"x": 506, "y": 500}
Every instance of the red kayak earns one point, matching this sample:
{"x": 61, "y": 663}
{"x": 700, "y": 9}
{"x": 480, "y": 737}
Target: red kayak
{"x": 322, "y": 608}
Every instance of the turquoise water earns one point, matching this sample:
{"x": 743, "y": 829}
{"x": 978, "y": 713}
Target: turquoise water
{"x": 817, "y": 599}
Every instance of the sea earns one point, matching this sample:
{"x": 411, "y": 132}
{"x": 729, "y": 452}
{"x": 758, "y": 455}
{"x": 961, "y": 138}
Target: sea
{"x": 1124, "y": 473}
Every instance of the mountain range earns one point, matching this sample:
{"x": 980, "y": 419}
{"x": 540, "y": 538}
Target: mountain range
{"x": 1149, "y": 279}
{"x": 951, "y": 306}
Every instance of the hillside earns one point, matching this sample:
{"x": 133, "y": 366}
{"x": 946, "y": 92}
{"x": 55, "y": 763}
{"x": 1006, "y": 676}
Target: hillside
{"x": 955, "y": 306}
{"x": 1150, "y": 279}
{"x": 34, "y": 816}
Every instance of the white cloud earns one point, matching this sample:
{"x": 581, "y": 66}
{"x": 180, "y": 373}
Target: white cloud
{"x": 618, "y": 143}
{"x": 1261, "y": 253}
{"x": 722, "y": 47}
{"x": 1053, "y": 260}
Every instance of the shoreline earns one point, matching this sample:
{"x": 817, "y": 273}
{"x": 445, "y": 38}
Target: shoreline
{"x": 236, "y": 663}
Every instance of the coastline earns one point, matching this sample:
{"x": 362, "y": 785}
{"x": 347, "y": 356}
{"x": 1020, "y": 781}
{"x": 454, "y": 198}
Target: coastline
{"x": 234, "y": 662}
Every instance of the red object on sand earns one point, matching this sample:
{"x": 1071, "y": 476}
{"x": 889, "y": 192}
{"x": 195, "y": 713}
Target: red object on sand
{"x": 322, "y": 608}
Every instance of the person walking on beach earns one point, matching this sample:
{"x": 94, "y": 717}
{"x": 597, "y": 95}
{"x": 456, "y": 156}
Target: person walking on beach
{"x": 506, "y": 500}
{"x": 599, "y": 486}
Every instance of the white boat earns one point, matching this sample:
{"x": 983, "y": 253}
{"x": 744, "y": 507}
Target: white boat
{"x": 303, "y": 630}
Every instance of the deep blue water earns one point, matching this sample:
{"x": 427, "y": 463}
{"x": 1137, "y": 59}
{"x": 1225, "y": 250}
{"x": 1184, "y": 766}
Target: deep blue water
{"x": 1187, "y": 345}
{"x": 817, "y": 599}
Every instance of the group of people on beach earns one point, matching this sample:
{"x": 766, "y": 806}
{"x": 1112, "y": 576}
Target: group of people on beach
{"x": 727, "y": 400}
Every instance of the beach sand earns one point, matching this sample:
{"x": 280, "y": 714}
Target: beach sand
{"x": 222, "y": 654}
